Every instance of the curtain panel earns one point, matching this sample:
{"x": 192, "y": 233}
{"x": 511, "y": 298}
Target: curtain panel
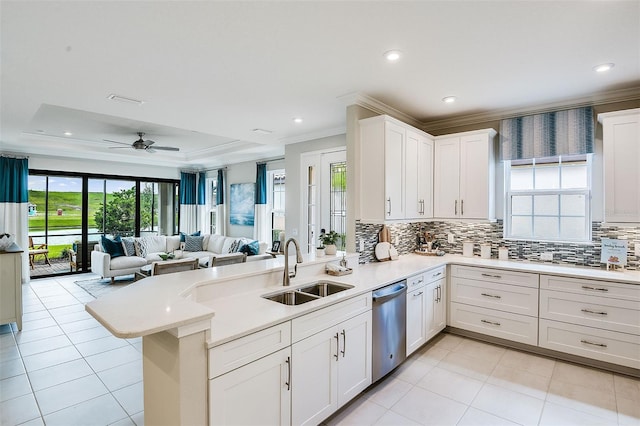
{"x": 221, "y": 219}
{"x": 201, "y": 209}
{"x": 567, "y": 132}
{"x": 261, "y": 225}
{"x": 188, "y": 198}
{"x": 14, "y": 204}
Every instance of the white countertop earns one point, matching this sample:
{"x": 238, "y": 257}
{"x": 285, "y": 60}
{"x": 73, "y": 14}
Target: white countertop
{"x": 230, "y": 297}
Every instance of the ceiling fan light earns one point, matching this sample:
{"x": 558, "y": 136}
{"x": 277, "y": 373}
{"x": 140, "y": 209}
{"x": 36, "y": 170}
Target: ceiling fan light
{"x": 393, "y": 55}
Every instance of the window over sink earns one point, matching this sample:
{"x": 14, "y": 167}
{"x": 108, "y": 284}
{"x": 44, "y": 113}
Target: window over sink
{"x": 549, "y": 199}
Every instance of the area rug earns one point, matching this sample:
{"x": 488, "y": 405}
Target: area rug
{"x": 98, "y": 287}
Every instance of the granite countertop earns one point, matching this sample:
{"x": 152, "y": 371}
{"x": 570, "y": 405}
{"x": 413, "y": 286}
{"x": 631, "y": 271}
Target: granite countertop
{"x": 230, "y": 297}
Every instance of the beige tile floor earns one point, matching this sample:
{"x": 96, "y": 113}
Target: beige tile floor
{"x": 64, "y": 368}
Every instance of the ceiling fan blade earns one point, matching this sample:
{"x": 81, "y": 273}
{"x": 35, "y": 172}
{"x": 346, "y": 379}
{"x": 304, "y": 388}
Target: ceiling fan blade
{"x": 167, "y": 148}
{"x": 148, "y": 142}
{"x": 118, "y": 147}
{"x": 121, "y": 143}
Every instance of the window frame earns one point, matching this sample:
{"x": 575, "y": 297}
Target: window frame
{"x": 544, "y": 162}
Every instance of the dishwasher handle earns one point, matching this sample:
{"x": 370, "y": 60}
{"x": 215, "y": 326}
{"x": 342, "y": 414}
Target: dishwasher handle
{"x": 389, "y": 292}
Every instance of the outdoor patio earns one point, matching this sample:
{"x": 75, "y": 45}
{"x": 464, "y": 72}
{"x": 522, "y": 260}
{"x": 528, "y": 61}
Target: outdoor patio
{"x": 58, "y": 266}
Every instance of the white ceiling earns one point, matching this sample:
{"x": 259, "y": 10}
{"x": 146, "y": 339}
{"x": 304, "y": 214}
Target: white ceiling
{"x": 210, "y": 72}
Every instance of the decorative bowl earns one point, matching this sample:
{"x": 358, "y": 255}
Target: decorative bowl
{"x": 6, "y": 240}
{"x": 165, "y": 256}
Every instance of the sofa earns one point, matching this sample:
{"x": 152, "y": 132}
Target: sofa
{"x": 125, "y": 256}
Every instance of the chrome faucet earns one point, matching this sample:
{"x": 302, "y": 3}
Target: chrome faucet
{"x": 288, "y": 275}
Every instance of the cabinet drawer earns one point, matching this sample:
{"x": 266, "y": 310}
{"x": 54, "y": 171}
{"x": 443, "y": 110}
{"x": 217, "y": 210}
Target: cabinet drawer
{"x": 603, "y": 345}
{"x": 495, "y": 275}
{"x": 435, "y": 274}
{"x": 519, "y": 328}
{"x": 322, "y": 319}
{"x": 414, "y": 282}
{"x": 592, "y": 287}
{"x": 504, "y": 297}
{"x": 244, "y": 350}
{"x": 593, "y": 311}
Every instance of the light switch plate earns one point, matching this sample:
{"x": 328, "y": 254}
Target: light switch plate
{"x": 546, "y": 256}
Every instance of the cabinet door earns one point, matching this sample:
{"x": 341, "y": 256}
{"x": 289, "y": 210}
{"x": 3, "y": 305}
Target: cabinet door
{"x": 418, "y": 176}
{"x": 393, "y": 171}
{"x": 432, "y": 294}
{"x": 440, "y": 308}
{"x": 314, "y": 378}
{"x": 446, "y": 179}
{"x": 416, "y": 318}
{"x": 354, "y": 361}
{"x": 474, "y": 177}
{"x": 258, "y": 393}
{"x": 621, "y": 152}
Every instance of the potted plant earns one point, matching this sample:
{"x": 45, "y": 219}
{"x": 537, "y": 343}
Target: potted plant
{"x": 320, "y": 251}
{"x": 329, "y": 241}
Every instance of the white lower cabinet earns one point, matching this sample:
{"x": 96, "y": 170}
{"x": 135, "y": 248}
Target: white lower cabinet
{"x": 330, "y": 368}
{"x": 257, "y": 393}
{"x": 426, "y": 307}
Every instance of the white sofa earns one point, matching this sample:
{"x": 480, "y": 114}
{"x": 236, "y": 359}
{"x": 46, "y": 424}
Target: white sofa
{"x": 216, "y": 250}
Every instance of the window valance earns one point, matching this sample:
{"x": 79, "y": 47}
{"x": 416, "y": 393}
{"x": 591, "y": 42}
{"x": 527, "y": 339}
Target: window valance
{"x": 550, "y": 134}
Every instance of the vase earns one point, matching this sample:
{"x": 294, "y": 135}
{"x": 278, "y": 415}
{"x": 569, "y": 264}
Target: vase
{"x": 319, "y": 252}
{"x": 330, "y": 249}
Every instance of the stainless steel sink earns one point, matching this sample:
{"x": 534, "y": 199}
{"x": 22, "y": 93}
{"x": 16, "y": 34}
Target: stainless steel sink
{"x": 325, "y": 288}
{"x": 312, "y": 291}
{"x": 291, "y": 297}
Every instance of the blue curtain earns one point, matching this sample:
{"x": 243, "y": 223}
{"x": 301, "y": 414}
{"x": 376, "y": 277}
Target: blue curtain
{"x": 220, "y": 189}
{"x": 261, "y": 183}
{"x": 202, "y": 188}
{"x": 550, "y": 134}
{"x": 14, "y": 180}
{"x": 187, "y": 188}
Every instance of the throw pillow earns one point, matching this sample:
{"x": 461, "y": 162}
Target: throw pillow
{"x": 183, "y": 236}
{"x": 251, "y": 248}
{"x": 192, "y": 243}
{"x": 113, "y": 247}
{"x": 129, "y": 246}
{"x": 234, "y": 246}
{"x": 152, "y": 244}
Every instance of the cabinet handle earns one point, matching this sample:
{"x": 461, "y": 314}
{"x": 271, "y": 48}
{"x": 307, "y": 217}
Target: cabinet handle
{"x": 417, "y": 294}
{"x": 421, "y": 206}
{"x": 491, "y": 295}
{"x": 288, "y": 382}
{"x": 587, "y": 287}
{"x": 589, "y": 311}
{"x": 602, "y": 345}
{"x": 461, "y": 207}
{"x": 490, "y": 322}
{"x": 438, "y": 294}
{"x": 455, "y": 208}
{"x": 492, "y": 276}
{"x": 344, "y": 343}
{"x": 436, "y": 275}
{"x": 389, "y": 210}
{"x": 337, "y": 345}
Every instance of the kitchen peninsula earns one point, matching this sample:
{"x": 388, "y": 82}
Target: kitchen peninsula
{"x": 190, "y": 320}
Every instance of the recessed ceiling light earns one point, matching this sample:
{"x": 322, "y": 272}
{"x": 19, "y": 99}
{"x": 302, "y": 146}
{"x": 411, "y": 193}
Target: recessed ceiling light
{"x": 68, "y": 133}
{"x": 262, "y": 131}
{"x": 297, "y": 120}
{"x": 449, "y": 99}
{"x": 603, "y": 67}
{"x": 392, "y": 55}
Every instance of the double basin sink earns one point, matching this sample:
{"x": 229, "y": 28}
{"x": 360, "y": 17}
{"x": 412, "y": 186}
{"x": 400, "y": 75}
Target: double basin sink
{"x": 312, "y": 291}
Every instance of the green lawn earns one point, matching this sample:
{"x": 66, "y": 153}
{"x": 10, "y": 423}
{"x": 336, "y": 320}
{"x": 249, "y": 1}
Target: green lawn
{"x": 70, "y": 203}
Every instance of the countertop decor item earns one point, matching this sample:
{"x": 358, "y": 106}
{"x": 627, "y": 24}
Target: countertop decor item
{"x": 6, "y": 240}
{"x": 166, "y": 256}
{"x": 384, "y": 250}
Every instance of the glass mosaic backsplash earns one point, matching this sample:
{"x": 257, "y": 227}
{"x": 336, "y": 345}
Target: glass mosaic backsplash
{"x": 563, "y": 253}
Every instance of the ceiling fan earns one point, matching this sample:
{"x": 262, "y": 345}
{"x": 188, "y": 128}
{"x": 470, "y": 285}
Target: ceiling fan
{"x": 141, "y": 144}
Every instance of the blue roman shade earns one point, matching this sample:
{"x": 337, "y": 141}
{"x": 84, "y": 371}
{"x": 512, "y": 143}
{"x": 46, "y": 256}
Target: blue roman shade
{"x": 568, "y": 132}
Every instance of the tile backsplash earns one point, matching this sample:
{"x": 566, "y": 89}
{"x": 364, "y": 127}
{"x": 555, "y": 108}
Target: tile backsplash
{"x": 405, "y": 238}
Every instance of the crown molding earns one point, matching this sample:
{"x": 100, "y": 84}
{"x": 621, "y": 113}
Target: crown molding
{"x": 375, "y": 105}
{"x": 620, "y": 95}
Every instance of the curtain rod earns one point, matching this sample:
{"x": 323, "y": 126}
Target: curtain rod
{"x": 270, "y": 160}
{"x": 17, "y": 157}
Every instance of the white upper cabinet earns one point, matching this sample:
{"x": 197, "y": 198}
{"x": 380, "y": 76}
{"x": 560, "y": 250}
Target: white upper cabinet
{"x": 396, "y": 167}
{"x": 464, "y": 176}
{"x": 621, "y": 151}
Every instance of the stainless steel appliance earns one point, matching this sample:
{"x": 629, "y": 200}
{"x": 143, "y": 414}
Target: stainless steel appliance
{"x": 389, "y": 328}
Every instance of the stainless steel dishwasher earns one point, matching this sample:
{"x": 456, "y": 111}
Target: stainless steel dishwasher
{"x": 389, "y": 328}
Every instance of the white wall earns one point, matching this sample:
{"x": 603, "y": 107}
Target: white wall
{"x": 101, "y": 167}
{"x": 293, "y": 204}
